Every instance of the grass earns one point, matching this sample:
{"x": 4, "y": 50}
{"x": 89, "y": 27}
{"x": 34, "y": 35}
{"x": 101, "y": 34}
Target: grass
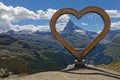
{"x": 13, "y": 63}
{"x": 28, "y": 50}
{"x": 113, "y": 66}
{"x": 53, "y": 61}
{"x": 1, "y": 78}
{"x": 113, "y": 49}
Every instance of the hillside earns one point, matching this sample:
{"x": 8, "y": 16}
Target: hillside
{"x": 36, "y": 56}
{"x": 106, "y": 53}
{"x": 14, "y": 64}
{"x": 113, "y": 66}
{"x": 113, "y": 49}
{"x": 12, "y": 45}
{"x": 97, "y": 56}
{"x": 41, "y": 49}
{"x": 77, "y": 38}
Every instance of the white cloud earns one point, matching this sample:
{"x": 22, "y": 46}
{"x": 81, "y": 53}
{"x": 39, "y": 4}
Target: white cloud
{"x": 84, "y": 24}
{"x": 115, "y": 24}
{"x": 4, "y": 26}
{"x": 99, "y": 31}
{"x": 113, "y": 13}
{"x": 10, "y": 14}
{"x": 62, "y": 22}
{"x": 63, "y": 19}
{"x": 45, "y": 15}
{"x": 30, "y": 28}
{"x": 60, "y": 26}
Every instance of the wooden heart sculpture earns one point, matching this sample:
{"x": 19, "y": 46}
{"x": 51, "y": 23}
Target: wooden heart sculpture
{"x": 78, "y": 15}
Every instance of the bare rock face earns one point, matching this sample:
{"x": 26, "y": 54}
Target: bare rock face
{"x": 4, "y": 72}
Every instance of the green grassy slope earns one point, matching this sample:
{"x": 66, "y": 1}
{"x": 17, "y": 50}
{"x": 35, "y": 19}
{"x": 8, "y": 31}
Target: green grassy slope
{"x": 113, "y": 66}
{"x": 113, "y": 50}
{"x": 36, "y": 55}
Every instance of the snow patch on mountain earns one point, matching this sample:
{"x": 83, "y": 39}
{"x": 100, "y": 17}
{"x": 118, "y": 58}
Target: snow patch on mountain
{"x": 81, "y": 32}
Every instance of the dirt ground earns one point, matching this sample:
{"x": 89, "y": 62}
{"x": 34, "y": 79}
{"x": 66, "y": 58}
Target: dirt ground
{"x": 90, "y": 73}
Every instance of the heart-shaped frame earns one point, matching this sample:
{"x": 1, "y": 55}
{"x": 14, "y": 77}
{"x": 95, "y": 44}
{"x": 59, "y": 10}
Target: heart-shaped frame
{"x": 78, "y": 15}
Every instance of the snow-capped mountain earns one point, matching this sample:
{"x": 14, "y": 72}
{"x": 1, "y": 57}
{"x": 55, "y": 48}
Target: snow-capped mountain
{"x": 75, "y": 30}
{"x": 70, "y": 29}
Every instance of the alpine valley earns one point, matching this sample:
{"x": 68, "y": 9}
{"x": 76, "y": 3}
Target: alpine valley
{"x": 40, "y": 51}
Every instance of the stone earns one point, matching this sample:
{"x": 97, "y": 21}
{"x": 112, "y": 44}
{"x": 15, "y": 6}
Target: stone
{"x": 4, "y": 72}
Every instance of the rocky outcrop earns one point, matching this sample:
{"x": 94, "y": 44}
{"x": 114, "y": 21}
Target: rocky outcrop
{"x": 4, "y": 72}
{"x": 13, "y": 64}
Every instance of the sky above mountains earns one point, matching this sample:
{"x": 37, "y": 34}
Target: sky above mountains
{"x": 35, "y": 15}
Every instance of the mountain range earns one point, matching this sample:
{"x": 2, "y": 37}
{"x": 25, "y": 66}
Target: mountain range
{"x": 42, "y": 52}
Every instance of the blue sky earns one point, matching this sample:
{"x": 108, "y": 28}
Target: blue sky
{"x": 55, "y": 4}
{"x": 28, "y": 9}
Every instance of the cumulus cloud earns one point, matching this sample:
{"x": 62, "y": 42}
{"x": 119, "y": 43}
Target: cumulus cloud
{"x": 115, "y": 24}
{"x": 99, "y": 31}
{"x": 113, "y": 13}
{"x": 45, "y": 15}
{"x": 60, "y": 26}
{"x": 30, "y": 28}
{"x": 84, "y": 24}
{"x": 10, "y": 14}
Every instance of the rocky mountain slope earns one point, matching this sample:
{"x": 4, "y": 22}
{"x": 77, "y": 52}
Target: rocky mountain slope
{"x": 34, "y": 57}
{"x": 113, "y": 49}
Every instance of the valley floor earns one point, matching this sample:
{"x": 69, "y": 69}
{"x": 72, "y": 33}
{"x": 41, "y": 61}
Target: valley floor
{"x": 90, "y": 73}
